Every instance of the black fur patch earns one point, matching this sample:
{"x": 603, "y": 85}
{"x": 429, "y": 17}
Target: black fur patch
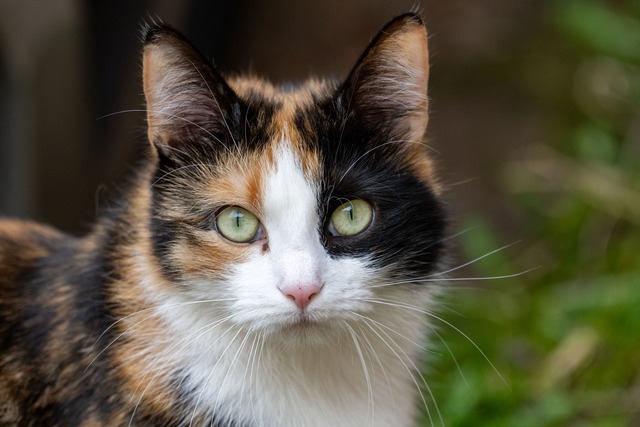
{"x": 360, "y": 162}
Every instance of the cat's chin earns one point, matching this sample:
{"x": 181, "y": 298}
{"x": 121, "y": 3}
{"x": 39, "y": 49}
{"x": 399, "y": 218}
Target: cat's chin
{"x": 306, "y": 330}
{"x": 307, "y": 335}
{"x": 303, "y": 323}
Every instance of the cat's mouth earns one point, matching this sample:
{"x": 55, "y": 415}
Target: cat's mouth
{"x": 304, "y": 320}
{"x": 302, "y": 323}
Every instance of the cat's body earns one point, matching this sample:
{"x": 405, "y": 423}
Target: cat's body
{"x": 268, "y": 267}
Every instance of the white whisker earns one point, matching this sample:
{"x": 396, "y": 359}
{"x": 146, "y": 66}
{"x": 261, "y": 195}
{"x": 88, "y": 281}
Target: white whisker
{"x": 158, "y": 308}
{"x": 430, "y": 278}
{"x": 206, "y": 382}
{"x": 473, "y": 261}
{"x": 167, "y": 362}
{"x": 375, "y": 355}
{"x": 230, "y": 367}
{"x": 365, "y": 370}
{"x": 455, "y": 360}
{"x": 411, "y": 374}
{"x": 174, "y": 117}
{"x": 399, "y": 304}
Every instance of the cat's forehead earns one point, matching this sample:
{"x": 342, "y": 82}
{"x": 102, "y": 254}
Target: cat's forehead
{"x": 286, "y": 103}
{"x": 287, "y": 96}
{"x": 284, "y": 163}
{"x": 284, "y": 135}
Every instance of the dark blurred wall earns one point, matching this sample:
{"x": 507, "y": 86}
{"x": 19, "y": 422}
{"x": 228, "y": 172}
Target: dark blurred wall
{"x": 71, "y": 101}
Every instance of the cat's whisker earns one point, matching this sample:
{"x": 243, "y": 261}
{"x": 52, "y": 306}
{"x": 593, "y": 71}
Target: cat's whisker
{"x": 407, "y": 306}
{"x": 168, "y": 307}
{"x": 231, "y": 326}
{"x": 444, "y": 240}
{"x": 353, "y": 164}
{"x": 172, "y": 172}
{"x": 231, "y": 366}
{"x": 427, "y": 146}
{"x": 137, "y": 313}
{"x": 258, "y": 364}
{"x": 453, "y": 357}
{"x": 429, "y": 279}
{"x": 166, "y": 361}
{"x": 170, "y": 116}
{"x": 382, "y": 325}
{"x": 248, "y": 369}
{"x": 192, "y": 123}
{"x": 455, "y": 235}
{"x": 498, "y": 277}
{"x": 375, "y": 355}
{"x": 116, "y": 113}
{"x": 365, "y": 370}
{"x": 377, "y": 331}
{"x": 189, "y": 338}
{"x": 116, "y": 339}
{"x": 212, "y": 370}
{"x": 365, "y": 154}
{"x": 473, "y": 261}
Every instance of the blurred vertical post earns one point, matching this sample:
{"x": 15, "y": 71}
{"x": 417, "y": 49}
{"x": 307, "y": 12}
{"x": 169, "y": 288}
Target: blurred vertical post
{"x": 42, "y": 111}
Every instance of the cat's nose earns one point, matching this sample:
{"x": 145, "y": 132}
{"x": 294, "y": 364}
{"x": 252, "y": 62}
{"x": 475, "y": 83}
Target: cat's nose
{"x": 301, "y": 294}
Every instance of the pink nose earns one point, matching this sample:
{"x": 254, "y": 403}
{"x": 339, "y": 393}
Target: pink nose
{"x": 301, "y": 295}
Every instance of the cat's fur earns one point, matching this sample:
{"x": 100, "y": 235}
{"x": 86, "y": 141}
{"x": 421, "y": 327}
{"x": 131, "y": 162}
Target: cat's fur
{"x": 155, "y": 319}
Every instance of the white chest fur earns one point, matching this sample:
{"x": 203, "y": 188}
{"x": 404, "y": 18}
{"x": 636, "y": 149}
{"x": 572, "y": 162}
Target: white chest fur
{"x": 364, "y": 375}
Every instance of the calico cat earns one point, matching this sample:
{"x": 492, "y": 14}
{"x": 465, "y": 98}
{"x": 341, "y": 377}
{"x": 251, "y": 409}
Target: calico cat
{"x": 270, "y": 265}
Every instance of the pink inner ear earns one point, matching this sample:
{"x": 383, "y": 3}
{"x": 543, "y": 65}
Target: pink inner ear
{"x": 185, "y": 95}
{"x": 389, "y": 84}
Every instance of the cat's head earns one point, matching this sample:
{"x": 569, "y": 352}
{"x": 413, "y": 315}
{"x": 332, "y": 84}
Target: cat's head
{"x": 288, "y": 207}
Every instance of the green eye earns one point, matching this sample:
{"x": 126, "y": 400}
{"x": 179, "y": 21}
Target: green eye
{"x": 237, "y": 224}
{"x": 351, "y": 218}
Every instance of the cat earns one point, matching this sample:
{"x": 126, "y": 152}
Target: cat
{"x": 272, "y": 263}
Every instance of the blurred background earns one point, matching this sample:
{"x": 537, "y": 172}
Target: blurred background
{"x": 536, "y": 121}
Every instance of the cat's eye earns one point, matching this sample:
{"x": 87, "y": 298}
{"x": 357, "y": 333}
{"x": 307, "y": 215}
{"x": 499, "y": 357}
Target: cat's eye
{"x": 351, "y": 218}
{"x": 238, "y": 224}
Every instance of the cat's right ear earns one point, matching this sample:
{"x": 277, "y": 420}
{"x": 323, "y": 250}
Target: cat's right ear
{"x": 188, "y": 102}
{"x": 387, "y": 88}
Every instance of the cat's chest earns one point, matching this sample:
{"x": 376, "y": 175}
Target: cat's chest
{"x": 362, "y": 378}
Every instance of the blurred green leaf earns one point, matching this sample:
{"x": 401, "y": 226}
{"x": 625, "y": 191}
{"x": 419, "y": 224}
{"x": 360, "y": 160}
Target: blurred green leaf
{"x": 600, "y": 27}
{"x": 594, "y": 143}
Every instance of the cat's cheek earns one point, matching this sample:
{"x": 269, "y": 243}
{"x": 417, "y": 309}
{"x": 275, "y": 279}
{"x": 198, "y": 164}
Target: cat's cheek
{"x": 347, "y": 283}
{"x": 255, "y": 295}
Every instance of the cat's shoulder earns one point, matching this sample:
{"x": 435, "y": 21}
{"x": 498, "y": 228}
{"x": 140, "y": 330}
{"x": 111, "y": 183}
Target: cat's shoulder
{"x": 27, "y": 233}
{"x": 24, "y": 242}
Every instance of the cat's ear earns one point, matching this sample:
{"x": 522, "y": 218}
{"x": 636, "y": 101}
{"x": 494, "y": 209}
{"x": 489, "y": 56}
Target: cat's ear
{"x": 187, "y": 99}
{"x": 388, "y": 85}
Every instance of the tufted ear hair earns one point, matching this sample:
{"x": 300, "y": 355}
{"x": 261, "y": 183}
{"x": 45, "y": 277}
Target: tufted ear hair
{"x": 188, "y": 101}
{"x": 388, "y": 85}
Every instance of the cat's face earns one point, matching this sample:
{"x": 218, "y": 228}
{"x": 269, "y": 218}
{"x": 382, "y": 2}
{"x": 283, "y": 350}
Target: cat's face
{"x": 293, "y": 208}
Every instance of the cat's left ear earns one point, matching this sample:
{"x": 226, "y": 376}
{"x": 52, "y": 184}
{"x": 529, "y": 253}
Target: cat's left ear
{"x": 388, "y": 85}
{"x": 187, "y": 99}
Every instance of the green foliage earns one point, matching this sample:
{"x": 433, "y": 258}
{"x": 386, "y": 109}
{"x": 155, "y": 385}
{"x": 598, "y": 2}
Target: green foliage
{"x": 606, "y": 29}
{"x": 565, "y": 334}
